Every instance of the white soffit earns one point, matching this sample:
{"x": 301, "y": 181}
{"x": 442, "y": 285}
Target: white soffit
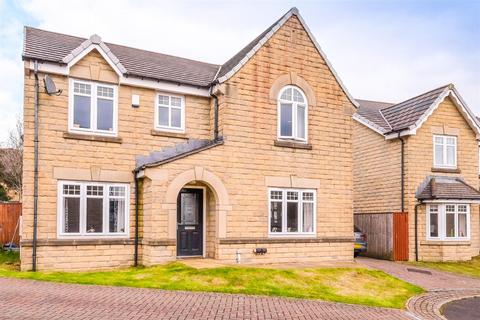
{"x": 63, "y": 70}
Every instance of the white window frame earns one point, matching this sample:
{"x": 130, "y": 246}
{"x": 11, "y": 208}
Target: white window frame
{"x": 444, "y": 146}
{"x": 300, "y": 202}
{"x": 442, "y": 222}
{"x": 93, "y": 114}
{"x": 294, "y": 135}
{"x": 83, "y": 210}
{"x": 169, "y": 128}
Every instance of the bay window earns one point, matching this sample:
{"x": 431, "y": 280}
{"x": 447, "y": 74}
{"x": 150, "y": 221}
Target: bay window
{"x": 445, "y": 151}
{"x": 292, "y": 114}
{"x": 92, "y": 107}
{"x": 170, "y": 113}
{"x": 448, "y": 221}
{"x": 90, "y": 209}
{"x": 292, "y": 211}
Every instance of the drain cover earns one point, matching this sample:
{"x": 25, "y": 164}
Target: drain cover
{"x": 419, "y": 271}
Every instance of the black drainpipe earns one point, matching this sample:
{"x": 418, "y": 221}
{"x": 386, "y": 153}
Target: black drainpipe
{"x": 416, "y": 230}
{"x": 215, "y": 116}
{"x": 135, "y": 255}
{"x": 35, "y": 170}
{"x": 402, "y": 178}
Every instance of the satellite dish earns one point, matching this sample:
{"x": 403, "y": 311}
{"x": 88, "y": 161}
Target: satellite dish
{"x": 50, "y": 87}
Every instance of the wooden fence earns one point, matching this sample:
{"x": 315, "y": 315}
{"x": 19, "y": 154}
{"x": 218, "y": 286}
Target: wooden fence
{"x": 387, "y": 234}
{"x": 378, "y": 229}
{"x": 10, "y": 213}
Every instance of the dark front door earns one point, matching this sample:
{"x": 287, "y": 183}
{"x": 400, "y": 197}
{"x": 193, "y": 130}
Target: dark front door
{"x": 190, "y": 222}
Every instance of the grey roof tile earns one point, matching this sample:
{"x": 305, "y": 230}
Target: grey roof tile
{"x": 405, "y": 114}
{"x": 179, "y": 150}
{"x": 54, "y": 47}
{"x": 371, "y": 111}
{"x": 445, "y": 188}
{"x": 395, "y": 117}
{"x": 235, "y": 60}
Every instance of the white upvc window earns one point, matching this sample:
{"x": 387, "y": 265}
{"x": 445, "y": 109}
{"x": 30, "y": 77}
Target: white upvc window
{"x": 90, "y": 209}
{"x": 449, "y": 221}
{"x": 292, "y": 114}
{"x": 292, "y": 211}
{"x": 444, "y": 151}
{"x": 93, "y": 108}
{"x": 170, "y": 113}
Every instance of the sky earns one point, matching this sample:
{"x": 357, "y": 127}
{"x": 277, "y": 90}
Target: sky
{"x": 387, "y": 50}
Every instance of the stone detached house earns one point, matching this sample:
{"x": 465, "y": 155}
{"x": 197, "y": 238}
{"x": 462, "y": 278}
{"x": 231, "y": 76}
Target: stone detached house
{"x": 145, "y": 157}
{"x": 420, "y": 157}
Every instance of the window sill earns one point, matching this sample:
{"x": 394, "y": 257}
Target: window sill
{"x": 432, "y": 242}
{"x": 446, "y": 170}
{"x": 160, "y": 133}
{"x": 292, "y": 235}
{"x": 275, "y": 240}
{"x": 79, "y": 242}
{"x": 292, "y": 144}
{"x": 91, "y": 137}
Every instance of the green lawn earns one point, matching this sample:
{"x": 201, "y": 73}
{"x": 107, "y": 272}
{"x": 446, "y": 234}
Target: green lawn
{"x": 468, "y": 268}
{"x": 348, "y": 285}
{"x": 9, "y": 260}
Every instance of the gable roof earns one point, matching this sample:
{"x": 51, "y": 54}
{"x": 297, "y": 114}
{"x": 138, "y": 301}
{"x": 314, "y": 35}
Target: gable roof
{"x": 405, "y": 114}
{"x": 62, "y": 49}
{"x": 446, "y": 188}
{"x": 243, "y": 56}
{"x": 409, "y": 115}
{"x": 95, "y": 43}
{"x": 239, "y": 56}
{"x": 55, "y": 47}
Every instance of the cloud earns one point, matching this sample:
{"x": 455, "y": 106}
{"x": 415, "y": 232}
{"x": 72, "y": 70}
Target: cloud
{"x": 392, "y": 55}
{"x": 189, "y": 29}
{"x": 11, "y": 79}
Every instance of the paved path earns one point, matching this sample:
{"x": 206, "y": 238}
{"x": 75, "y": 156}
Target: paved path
{"x": 427, "y": 306}
{"x": 28, "y": 299}
{"x": 426, "y": 278}
{"x": 442, "y": 287}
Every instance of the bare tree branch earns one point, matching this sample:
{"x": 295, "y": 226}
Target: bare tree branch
{"x": 11, "y": 159}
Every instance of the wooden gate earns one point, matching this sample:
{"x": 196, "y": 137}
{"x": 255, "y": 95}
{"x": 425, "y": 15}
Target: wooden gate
{"x": 400, "y": 236}
{"x": 10, "y": 222}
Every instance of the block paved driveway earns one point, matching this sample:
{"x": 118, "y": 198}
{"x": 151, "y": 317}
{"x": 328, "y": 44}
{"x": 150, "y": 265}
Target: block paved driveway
{"x": 442, "y": 287}
{"x": 432, "y": 280}
{"x": 27, "y": 299}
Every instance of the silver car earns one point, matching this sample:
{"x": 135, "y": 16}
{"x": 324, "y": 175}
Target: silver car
{"x": 360, "y": 242}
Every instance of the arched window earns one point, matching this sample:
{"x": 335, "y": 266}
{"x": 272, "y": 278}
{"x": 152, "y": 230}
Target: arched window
{"x": 292, "y": 114}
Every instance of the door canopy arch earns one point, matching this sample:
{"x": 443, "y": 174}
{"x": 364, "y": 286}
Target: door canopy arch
{"x": 201, "y": 175}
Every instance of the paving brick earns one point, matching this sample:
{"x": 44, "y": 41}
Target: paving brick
{"x": 27, "y": 299}
{"x": 428, "y": 306}
{"x": 437, "y": 280}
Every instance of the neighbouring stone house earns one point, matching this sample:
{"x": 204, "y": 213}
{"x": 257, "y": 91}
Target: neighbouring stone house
{"x": 248, "y": 160}
{"x": 438, "y": 185}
